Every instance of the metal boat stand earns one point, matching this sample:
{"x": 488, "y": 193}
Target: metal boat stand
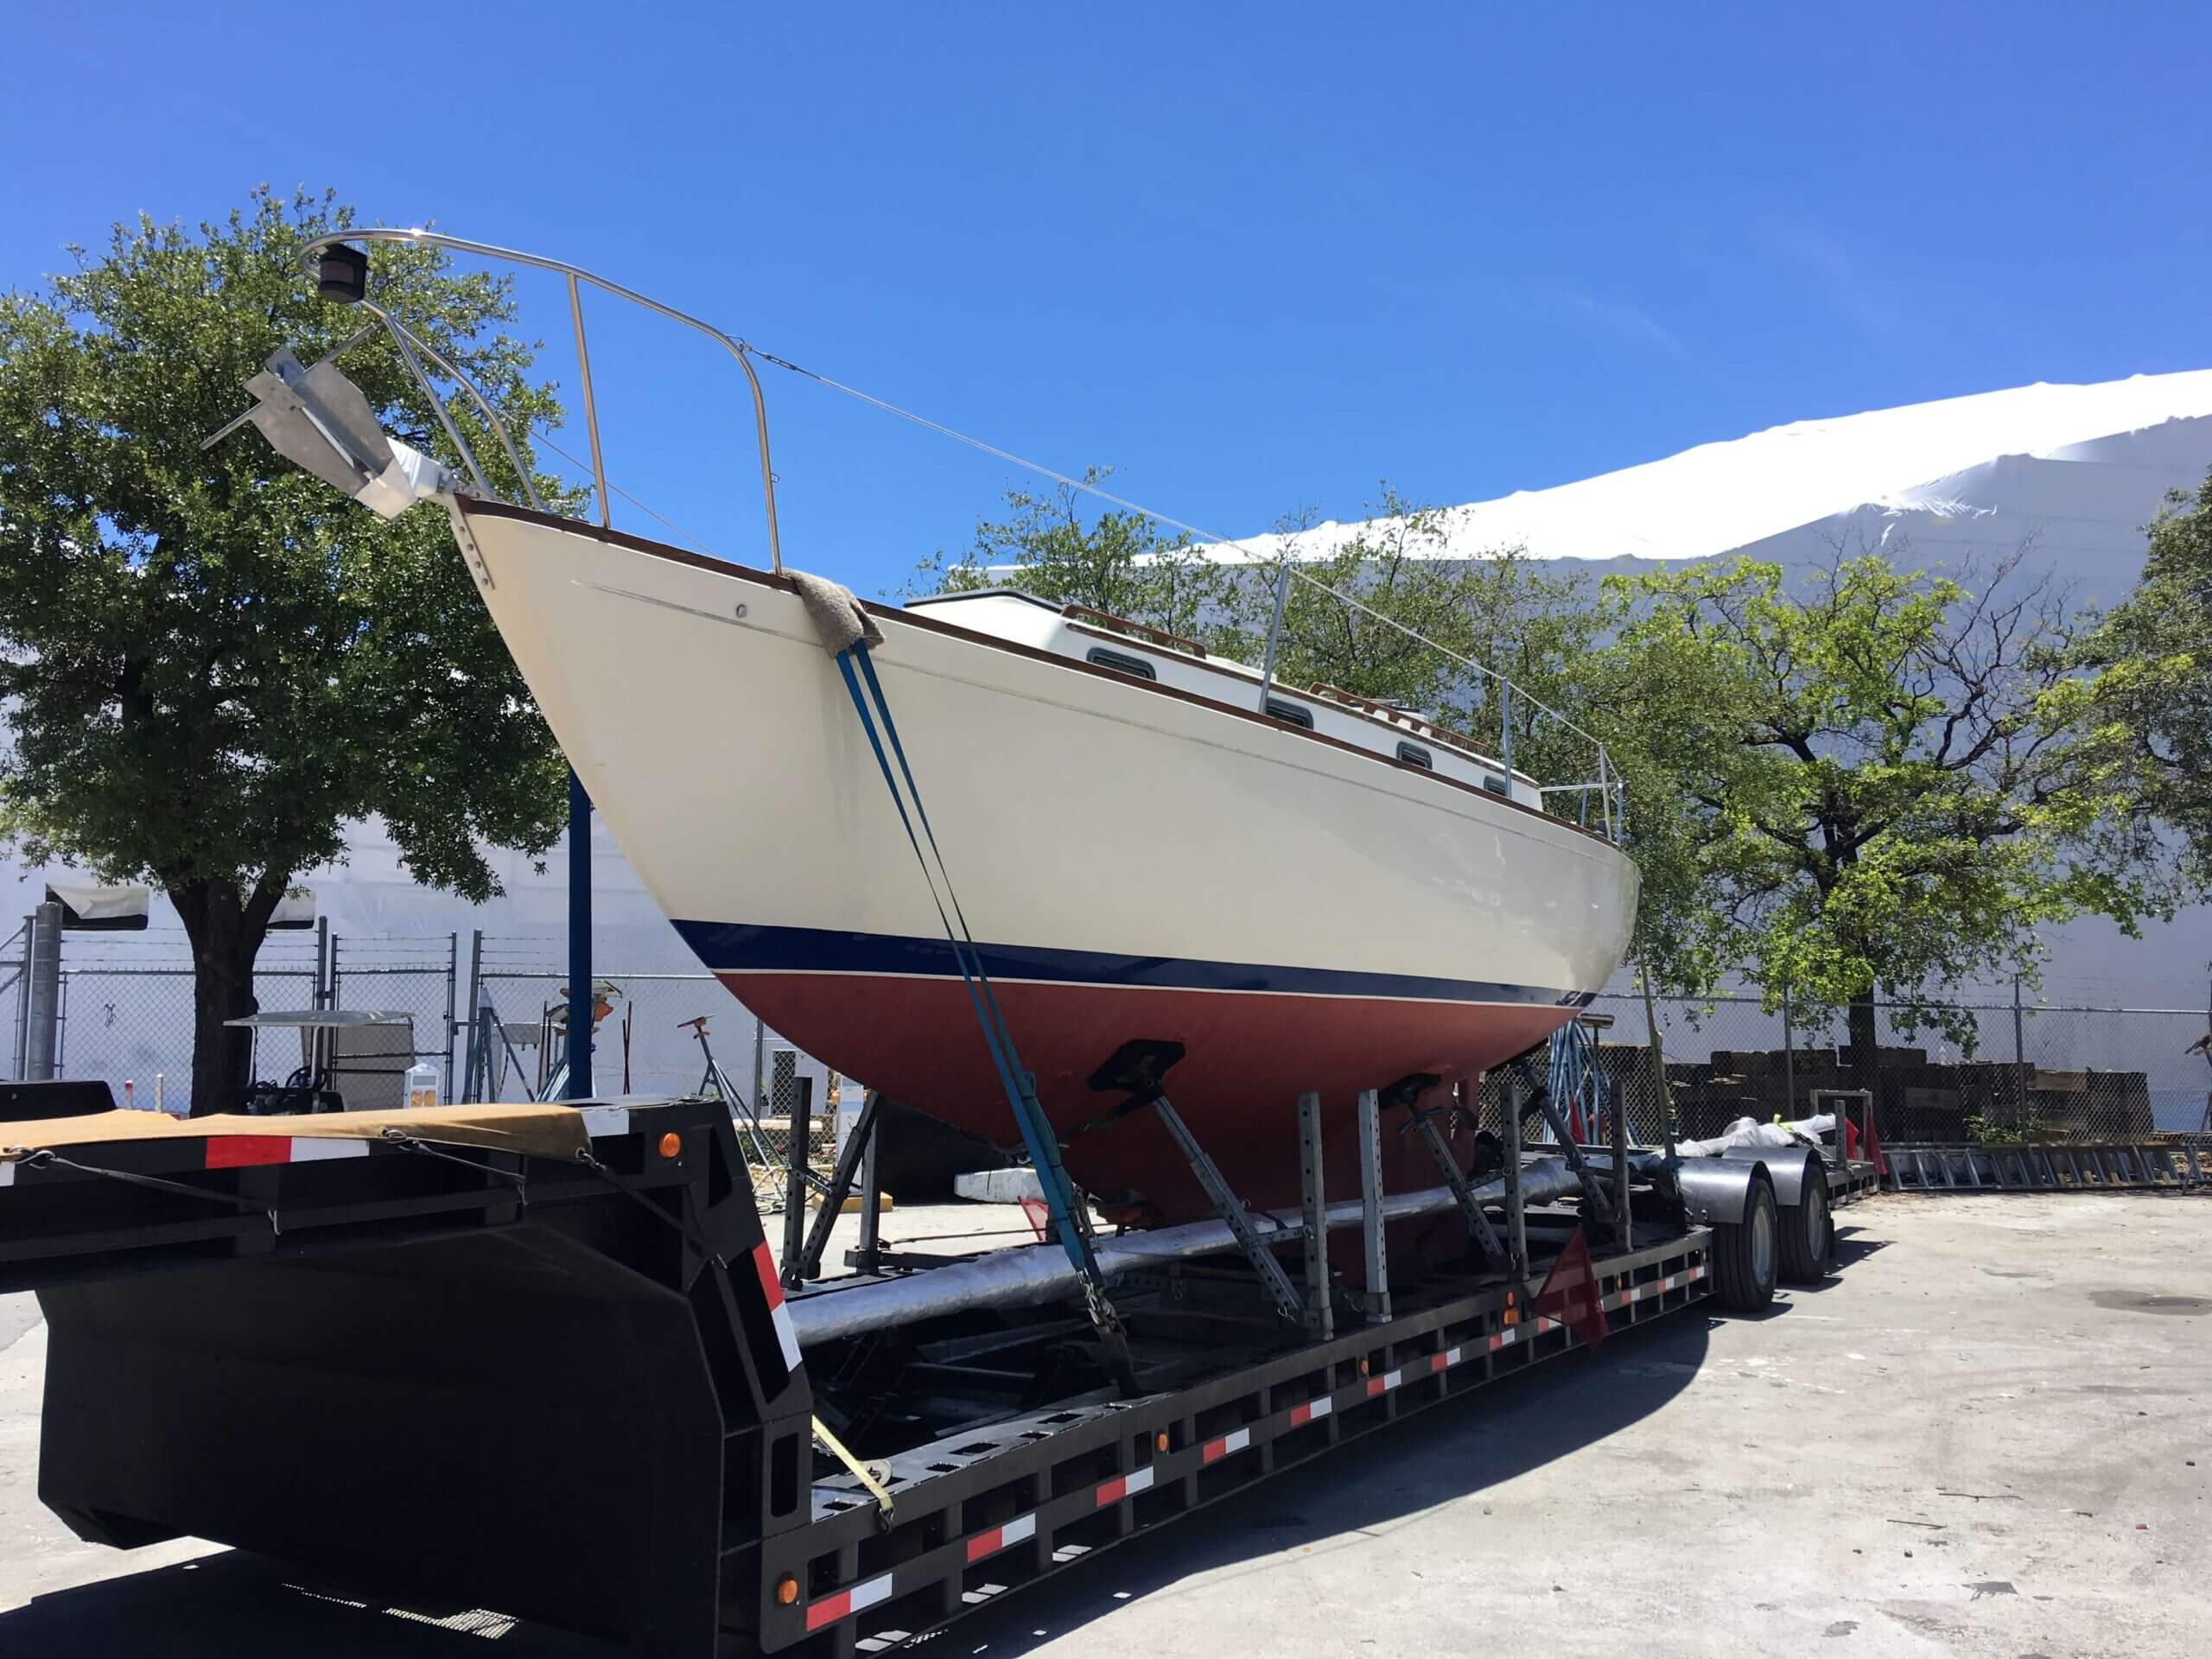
{"x": 857, "y": 1159}
{"x": 1289, "y": 1304}
{"x": 769, "y": 1170}
{"x": 1312, "y": 1212}
{"x": 1374, "y": 1301}
{"x": 1422, "y": 1122}
{"x": 1516, "y": 1208}
{"x": 1569, "y": 1149}
{"x": 1137, "y": 1071}
{"x": 798, "y": 1134}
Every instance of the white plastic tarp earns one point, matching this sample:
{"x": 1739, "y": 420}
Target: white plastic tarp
{"x": 1750, "y": 1132}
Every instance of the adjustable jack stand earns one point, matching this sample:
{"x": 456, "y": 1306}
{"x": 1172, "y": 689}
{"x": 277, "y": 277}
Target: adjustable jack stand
{"x": 1422, "y": 1120}
{"x": 1140, "y": 1068}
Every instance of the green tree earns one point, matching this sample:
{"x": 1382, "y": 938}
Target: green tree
{"x": 2152, "y": 655}
{"x": 1393, "y": 613}
{"x": 211, "y": 661}
{"x": 1883, "y": 782}
{"x": 1121, "y": 561}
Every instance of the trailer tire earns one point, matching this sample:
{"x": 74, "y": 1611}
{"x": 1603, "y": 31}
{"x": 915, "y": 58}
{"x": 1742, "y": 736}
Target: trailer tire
{"x": 1808, "y": 1234}
{"x": 1745, "y": 1253}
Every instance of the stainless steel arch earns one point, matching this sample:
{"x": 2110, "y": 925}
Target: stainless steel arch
{"x": 310, "y": 259}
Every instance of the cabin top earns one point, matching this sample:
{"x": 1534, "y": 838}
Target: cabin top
{"x": 1165, "y": 659}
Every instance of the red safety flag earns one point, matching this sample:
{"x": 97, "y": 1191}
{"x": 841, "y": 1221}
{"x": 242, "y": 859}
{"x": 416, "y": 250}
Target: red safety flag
{"x": 1873, "y": 1139}
{"x": 1570, "y": 1292}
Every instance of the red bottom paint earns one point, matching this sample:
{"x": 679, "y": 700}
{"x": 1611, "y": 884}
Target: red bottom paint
{"x": 1251, "y": 1055}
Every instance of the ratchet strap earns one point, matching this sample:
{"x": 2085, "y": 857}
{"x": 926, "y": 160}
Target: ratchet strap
{"x": 1020, "y": 1085}
{"x": 867, "y": 1476}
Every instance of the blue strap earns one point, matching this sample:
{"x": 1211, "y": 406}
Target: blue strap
{"x": 1019, "y": 1086}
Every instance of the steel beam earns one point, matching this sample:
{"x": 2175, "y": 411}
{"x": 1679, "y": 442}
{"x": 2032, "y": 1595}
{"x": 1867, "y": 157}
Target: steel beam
{"x": 1313, "y": 1209}
{"x": 1377, "y": 1297}
{"x": 797, "y": 1130}
{"x": 1516, "y": 1220}
{"x": 869, "y": 1256}
{"x": 1618, "y": 1113}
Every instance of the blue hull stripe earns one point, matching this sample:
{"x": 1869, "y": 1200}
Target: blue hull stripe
{"x": 738, "y": 948}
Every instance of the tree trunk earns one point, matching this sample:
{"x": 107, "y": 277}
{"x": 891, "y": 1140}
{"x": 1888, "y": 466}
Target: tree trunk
{"x": 1865, "y": 1053}
{"x": 226, "y": 930}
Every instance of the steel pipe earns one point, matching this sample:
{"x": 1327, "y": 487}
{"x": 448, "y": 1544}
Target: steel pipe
{"x": 1040, "y": 1272}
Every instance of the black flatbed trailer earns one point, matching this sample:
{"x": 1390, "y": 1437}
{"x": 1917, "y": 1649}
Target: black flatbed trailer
{"x": 560, "y": 1379}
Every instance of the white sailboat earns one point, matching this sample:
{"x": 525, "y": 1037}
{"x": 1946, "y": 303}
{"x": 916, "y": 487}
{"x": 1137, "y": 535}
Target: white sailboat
{"x": 1305, "y": 892}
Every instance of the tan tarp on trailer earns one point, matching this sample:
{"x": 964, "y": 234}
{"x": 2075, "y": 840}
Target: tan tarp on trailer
{"x": 544, "y": 1131}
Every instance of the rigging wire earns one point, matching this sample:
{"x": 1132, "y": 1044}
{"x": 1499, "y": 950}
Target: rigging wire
{"x": 1282, "y": 560}
{"x": 546, "y": 438}
{"x": 1203, "y": 534}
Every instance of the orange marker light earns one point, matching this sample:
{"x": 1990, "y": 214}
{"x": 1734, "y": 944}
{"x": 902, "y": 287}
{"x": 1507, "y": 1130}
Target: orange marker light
{"x": 786, "y": 1590}
{"x": 1159, "y": 1442}
{"x": 671, "y": 1144}
{"x": 1363, "y": 1367}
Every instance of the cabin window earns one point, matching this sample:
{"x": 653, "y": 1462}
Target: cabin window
{"x": 1290, "y": 714}
{"x": 1120, "y": 663}
{"x": 1495, "y": 785}
{"x": 1414, "y": 755}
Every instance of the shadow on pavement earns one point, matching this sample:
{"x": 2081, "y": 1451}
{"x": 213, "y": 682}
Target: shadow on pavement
{"x": 1363, "y": 1490}
{"x": 235, "y": 1605}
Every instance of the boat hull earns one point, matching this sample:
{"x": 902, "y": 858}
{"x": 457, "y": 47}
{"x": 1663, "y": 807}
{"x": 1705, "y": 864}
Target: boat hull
{"x": 1133, "y": 864}
{"x": 1248, "y": 1058}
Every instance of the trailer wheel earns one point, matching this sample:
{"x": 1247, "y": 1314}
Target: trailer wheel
{"x": 1744, "y": 1253}
{"x": 1808, "y": 1234}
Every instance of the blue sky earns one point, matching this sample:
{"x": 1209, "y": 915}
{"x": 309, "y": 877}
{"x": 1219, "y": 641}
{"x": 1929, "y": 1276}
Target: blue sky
{"x": 1256, "y": 257}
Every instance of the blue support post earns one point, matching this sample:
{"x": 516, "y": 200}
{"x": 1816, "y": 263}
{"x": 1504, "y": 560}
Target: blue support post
{"x": 580, "y": 982}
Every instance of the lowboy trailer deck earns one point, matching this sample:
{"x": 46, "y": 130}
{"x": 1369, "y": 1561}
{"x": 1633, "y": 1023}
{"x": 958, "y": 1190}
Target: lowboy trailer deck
{"x": 537, "y": 1358}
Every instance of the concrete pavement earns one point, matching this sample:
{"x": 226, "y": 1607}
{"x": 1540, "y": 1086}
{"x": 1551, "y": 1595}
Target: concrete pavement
{"x": 1988, "y": 1437}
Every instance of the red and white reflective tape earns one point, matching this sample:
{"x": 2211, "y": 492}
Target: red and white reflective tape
{"x": 1228, "y": 1443}
{"x": 1513, "y": 1333}
{"x": 845, "y": 1603}
{"x": 1319, "y": 1407}
{"x": 1121, "y": 1486}
{"x": 1020, "y": 1530}
{"x": 1450, "y": 1357}
{"x": 787, "y": 1334}
{"x": 605, "y": 1119}
{"x": 1384, "y": 1384}
{"x": 249, "y": 1150}
{"x": 7, "y": 1173}
{"x": 1660, "y": 1287}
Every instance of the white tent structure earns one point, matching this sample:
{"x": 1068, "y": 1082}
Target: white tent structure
{"x": 2075, "y": 472}
{"x": 2070, "y": 473}
{"x": 371, "y": 896}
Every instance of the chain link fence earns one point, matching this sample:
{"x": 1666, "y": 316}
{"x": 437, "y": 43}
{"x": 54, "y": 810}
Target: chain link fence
{"x": 416, "y": 978}
{"x": 2084, "y": 1075}
{"x": 662, "y": 1034}
{"x": 124, "y": 1011}
{"x": 2075, "y": 1073}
